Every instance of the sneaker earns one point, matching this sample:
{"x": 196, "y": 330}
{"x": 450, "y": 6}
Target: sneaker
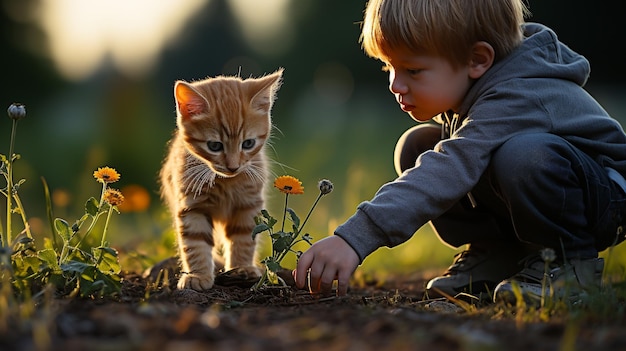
{"x": 475, "y": 271}
{"x": 571, "y": 281}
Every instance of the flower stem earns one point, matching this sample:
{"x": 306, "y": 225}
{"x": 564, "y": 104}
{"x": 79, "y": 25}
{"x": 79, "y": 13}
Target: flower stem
{"x": 544, "y": 282}
{"x": 19, "y": 205}
{"x": 104, "y": 188}
{"x": 94, "y": 220}
{"x": 10, "y": 184}
{"x": 282, "y": 228}
{"x": 282, "y": 254}
{"x": 261, "y": 281}
{"x": 309, "y": 214}
{"x": 106, "y": 226}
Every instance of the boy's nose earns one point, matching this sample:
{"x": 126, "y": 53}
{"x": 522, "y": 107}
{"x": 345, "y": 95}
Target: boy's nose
{"x": 396, "y": 86}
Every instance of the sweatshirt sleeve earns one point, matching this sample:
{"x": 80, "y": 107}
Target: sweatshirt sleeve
{"x": 440, "y": 178}
{"x": 402, "y": 206}
{"x": 361, "y": 234}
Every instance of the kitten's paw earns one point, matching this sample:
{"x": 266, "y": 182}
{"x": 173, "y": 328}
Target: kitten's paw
{"x": 244, "y": 277}
{"x": 196, "y": 281}
{"x": 249, "y": 272}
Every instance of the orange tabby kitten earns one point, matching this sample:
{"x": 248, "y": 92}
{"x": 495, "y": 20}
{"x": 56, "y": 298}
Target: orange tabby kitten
{"x": 214, "y": 175}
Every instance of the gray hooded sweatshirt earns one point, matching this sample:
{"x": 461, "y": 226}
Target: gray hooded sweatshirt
{"x": 535, "y": 89}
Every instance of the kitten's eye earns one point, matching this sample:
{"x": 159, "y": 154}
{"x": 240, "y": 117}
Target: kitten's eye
{"x": 248, "y": 144}
{"x": 215, "y": 146}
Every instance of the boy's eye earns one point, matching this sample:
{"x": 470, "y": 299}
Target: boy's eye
{"x": 413, "y": 71}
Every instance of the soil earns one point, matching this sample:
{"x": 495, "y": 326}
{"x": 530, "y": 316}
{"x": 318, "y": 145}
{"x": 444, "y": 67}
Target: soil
{"x": 376, "y": 315}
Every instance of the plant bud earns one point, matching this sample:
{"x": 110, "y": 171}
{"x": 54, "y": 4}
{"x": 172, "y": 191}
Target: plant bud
{"x": 548, "y": 255}
{"x": 325, "y": 186}
{"x": 16, "y": 111}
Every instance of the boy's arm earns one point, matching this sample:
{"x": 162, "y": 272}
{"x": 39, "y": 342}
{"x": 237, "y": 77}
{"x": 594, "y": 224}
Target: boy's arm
{"x": 329, "y": 259}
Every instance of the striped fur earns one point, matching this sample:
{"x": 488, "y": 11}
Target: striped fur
{"x": 214, "y": 175}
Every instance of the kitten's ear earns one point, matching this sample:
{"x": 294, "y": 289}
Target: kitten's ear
{"x": 188, "y": 101}
{"x": 264, "y": 90}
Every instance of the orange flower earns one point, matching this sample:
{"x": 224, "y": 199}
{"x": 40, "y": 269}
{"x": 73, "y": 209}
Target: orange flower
{"x": 61, "y": 197}
{"x": 113, "y": 197}
{"x": 289, "y": 185}
{"x": 106, "y": 175}
{"x": 136, "y": 198}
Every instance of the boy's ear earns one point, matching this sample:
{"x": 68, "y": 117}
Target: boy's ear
{"x": 481, "y": 59}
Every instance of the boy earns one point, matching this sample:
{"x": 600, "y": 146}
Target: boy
{"x": 524, "y": 158}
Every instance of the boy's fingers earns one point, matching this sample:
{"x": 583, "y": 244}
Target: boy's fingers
{"x": 342, "y": 283}
{"x": 325, "y": 262}
{"x": 315, "y": 274}
{"x": 326, "y": 281}
{"x": 302, "y": 270}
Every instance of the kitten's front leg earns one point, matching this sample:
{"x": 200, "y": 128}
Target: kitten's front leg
{"x": 195, "y": 246}
{"x": 240, "y": 248}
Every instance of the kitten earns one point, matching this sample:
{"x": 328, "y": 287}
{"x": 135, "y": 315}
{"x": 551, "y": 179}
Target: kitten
{"x": 214, "y": 176}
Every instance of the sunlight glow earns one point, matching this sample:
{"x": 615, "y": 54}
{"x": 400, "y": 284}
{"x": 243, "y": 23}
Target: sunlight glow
{"x": 266, "y": 24}
{"x": 84, "y": 33}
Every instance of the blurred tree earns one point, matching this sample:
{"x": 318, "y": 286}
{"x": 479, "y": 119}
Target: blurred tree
{"x": 26, "y": 73}
{"x": 125, "y": 121}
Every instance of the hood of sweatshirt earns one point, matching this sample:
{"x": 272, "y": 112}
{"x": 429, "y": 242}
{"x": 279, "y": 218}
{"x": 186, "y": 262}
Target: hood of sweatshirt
{"x": 541, "y": 55}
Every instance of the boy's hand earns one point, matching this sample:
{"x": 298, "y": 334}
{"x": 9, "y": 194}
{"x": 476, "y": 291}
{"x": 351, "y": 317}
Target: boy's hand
{"x": 327, "y": 260}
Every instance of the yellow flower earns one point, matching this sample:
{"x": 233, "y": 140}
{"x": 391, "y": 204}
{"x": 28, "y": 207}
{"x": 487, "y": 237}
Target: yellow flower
{"x": 289, "y": 185}
{"x": 114, "y": 197}
{"x": 106, "y": 175}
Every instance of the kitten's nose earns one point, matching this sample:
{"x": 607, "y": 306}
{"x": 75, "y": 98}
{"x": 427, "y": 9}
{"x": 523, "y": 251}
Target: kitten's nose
{"x": 233, "y": 169}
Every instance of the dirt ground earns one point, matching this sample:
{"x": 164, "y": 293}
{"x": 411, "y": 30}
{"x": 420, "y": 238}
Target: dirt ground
{"x": 376, "y": 315}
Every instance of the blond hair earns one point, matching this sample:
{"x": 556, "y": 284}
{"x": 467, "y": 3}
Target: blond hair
{"x": 446, "y": 28}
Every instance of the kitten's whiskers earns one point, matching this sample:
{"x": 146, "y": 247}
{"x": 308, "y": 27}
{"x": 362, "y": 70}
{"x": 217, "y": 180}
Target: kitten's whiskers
{"x": 196, "y": 176}
{"x": 256, "y": 172}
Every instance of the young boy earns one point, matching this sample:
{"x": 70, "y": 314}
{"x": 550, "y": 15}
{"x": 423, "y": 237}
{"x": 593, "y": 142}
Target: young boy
{"x": 523, "y": 160}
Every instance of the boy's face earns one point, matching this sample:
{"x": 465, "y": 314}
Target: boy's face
{"x": 425, "y": 85}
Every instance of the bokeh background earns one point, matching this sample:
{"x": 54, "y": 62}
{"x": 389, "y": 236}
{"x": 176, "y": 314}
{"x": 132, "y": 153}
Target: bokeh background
{"x": 97, "y": 79}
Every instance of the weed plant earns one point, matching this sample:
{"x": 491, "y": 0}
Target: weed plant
{"x": 284, "y": 241}
{"x": 67, "y": 262}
